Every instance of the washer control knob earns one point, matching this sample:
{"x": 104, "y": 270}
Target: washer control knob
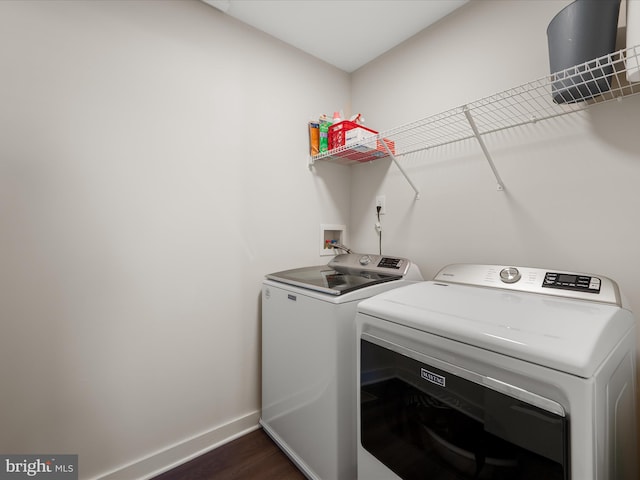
{"x": 365, "y": 260}
{"x": 509, "y": 275}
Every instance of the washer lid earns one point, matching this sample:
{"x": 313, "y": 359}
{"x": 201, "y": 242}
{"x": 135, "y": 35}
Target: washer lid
{"x": 328, "y": 280}
{"x": 565, "y": 334}
{"x": 346, "y": 273}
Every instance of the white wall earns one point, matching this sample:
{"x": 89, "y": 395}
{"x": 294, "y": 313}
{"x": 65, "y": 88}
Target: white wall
{"x": 153, "y": 167}
{"x": 572, "y": 184}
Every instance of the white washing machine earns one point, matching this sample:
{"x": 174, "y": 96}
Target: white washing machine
{"x": 491, "y": 372}
{"x": 309, "y": 356}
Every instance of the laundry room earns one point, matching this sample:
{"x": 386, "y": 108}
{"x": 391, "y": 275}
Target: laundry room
{"x": 155, "y": 166}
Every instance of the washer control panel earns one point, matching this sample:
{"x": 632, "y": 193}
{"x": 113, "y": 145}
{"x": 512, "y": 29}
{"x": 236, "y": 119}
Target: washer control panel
{"x": 371, "y": 263}
{"x": 580, "y": 283}
{"x": 581, "y": 286}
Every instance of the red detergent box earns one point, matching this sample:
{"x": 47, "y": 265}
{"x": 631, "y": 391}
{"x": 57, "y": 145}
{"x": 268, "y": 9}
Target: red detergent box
{"x": 346, "y": 132}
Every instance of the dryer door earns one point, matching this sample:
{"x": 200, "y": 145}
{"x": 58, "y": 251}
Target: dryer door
{"x": 425, "y": 418}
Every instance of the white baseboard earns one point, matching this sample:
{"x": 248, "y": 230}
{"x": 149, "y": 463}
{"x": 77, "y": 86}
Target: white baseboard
{"x": 182, "y": 452}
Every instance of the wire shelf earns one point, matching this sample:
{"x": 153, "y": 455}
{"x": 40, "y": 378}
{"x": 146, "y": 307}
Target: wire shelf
{"x": 574, "y": 89}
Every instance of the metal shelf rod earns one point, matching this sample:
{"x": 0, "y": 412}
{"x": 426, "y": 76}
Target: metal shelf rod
{"x": 467, "y": 114}
{"x": 393, "y": 157}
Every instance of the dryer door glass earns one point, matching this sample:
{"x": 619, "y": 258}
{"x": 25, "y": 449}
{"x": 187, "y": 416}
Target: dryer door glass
{"x": 425, "y": 422}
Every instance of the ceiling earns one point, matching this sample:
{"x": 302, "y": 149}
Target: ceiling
{"x": 345, "y": 33}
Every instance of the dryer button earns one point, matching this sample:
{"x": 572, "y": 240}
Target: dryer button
{"x": 509, "y": 275}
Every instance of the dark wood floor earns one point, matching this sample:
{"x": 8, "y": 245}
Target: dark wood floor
{"x": 253, "y": 456}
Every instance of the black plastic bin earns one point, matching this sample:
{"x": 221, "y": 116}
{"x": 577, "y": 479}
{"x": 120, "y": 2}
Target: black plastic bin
{"x": 582, "y": 31}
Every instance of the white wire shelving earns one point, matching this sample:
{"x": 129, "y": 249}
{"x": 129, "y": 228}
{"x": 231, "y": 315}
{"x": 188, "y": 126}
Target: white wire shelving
{"x": 575, "y": 89}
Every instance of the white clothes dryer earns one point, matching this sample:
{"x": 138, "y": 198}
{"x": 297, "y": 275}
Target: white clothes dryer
{"x": 493, "y": 372}
{"x": 309, "y": 357}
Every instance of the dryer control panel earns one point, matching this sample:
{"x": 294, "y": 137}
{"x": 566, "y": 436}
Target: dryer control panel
{"x": 581, "y": 286}
{"x": 572, "y": 281}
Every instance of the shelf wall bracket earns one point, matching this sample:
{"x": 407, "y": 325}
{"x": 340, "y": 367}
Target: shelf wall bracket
{"x": 472, "y": 123}
{"x": 393, "y": 157}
